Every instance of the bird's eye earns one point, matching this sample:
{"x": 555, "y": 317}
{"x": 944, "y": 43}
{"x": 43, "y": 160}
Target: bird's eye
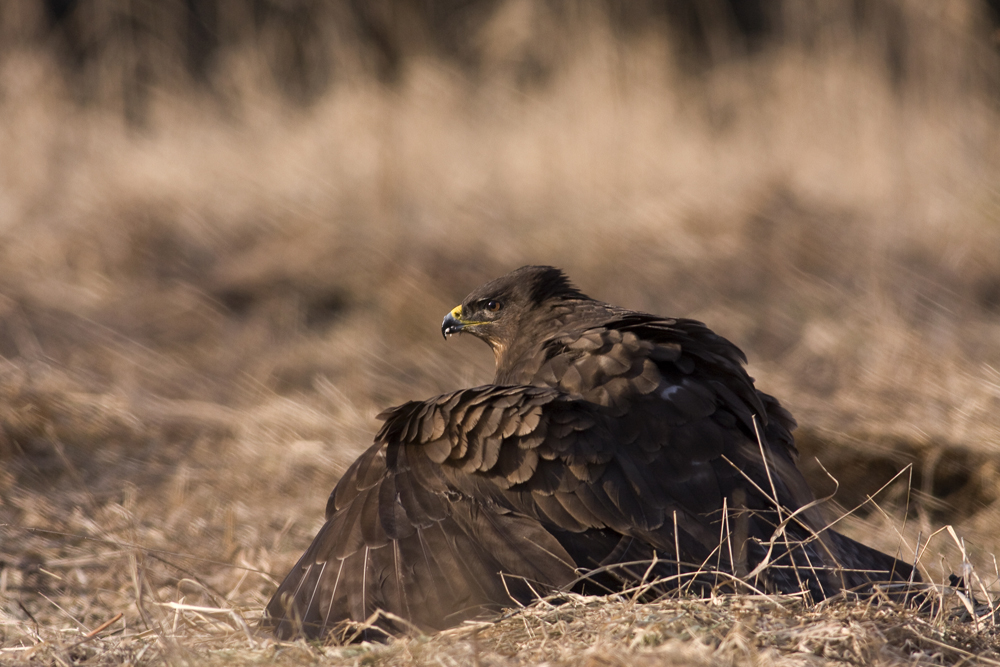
{"x": 493, "y": 306}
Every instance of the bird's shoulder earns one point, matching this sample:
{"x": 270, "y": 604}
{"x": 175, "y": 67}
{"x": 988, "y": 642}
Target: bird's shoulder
{"x": 501, "y": 431}
{"x": 627, "y": 355}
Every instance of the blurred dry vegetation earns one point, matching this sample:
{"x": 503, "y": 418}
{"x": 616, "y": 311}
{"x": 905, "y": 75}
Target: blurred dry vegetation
{"x": 229, "y": 231}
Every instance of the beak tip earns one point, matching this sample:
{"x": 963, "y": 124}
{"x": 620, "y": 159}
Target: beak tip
{"x": 451, "y": 325}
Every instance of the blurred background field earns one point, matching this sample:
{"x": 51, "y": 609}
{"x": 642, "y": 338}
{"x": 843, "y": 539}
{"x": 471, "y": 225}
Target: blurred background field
{"x": 229, "y": 232}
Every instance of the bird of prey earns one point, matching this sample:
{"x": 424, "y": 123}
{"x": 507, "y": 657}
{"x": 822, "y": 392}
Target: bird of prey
{"x": 614, "y": 449}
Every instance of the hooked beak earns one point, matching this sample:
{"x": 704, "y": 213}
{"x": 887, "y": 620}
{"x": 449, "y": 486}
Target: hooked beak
{"x": 452, "y": 322}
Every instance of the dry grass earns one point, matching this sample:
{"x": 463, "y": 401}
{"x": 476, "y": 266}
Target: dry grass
{"x": 568, "y": 630}
{"x": 198, "y": 320}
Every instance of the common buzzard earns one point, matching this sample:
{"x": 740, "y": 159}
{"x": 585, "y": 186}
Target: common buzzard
{"x": 614, "y": 448}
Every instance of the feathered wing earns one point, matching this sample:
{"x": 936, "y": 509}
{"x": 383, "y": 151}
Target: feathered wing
{"x": 399, "y": 537}
{"x": 712, "y": 442}
{"x": 649, "y": 441}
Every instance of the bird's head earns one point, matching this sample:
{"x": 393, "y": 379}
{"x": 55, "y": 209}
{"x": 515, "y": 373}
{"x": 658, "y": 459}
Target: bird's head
{"x": 503, "y": 310}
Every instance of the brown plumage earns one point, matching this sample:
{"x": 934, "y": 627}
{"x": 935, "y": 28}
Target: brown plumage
{"x": 614, "y": 447}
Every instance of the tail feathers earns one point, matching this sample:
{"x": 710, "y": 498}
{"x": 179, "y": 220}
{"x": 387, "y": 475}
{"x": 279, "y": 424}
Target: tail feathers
{"x": 868, "y": 570}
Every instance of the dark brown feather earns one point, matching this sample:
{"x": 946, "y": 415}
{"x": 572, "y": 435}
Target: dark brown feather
{"x": 609, "y": 436}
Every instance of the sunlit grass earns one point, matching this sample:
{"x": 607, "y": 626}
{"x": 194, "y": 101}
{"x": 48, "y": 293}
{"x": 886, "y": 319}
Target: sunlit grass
{"x": 200, "y": 319}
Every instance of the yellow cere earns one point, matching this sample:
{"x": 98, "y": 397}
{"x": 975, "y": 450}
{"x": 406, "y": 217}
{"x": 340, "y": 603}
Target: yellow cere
{"x": 456, "y": 312}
